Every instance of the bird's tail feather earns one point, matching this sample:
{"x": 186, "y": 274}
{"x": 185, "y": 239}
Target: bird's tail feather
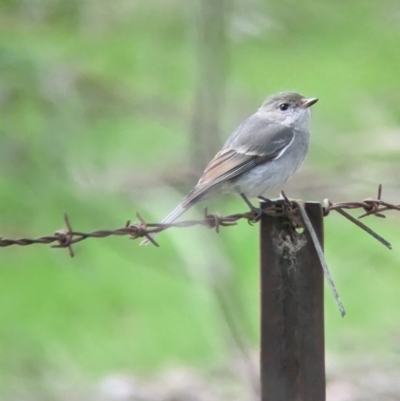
{"x": 178, "y": 211}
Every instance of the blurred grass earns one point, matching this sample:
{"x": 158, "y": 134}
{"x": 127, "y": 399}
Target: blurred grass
{"x": 87, "y": 100}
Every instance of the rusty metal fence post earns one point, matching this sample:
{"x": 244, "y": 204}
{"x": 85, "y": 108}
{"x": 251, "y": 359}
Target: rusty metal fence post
{"x": 292, "y": 357}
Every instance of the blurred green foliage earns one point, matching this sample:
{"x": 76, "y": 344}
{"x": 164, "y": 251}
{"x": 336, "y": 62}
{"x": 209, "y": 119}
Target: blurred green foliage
{"x": 94, "y": 94}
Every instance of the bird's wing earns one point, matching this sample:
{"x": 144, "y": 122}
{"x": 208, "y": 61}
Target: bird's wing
{"x": 226, "y": 164}
{"x": 232, "y": 161}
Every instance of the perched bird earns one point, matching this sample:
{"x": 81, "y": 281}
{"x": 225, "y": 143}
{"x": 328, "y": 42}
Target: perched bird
{"x": 261, "y": 154}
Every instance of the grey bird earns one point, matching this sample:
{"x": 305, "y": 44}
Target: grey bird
{"x": 261, "y": 154}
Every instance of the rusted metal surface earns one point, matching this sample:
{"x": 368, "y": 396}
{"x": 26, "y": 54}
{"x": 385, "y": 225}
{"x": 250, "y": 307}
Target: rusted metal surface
{"x": 292, "y": 314}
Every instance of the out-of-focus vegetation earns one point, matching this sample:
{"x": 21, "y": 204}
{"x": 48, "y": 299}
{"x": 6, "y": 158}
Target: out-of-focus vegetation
{"x": 96, "y": 100}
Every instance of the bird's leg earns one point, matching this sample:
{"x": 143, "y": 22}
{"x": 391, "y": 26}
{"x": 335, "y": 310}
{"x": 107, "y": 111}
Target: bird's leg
{"x": 257, "y": 211}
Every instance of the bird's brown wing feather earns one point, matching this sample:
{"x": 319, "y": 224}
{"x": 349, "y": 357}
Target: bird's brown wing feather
{"x": 225, "y": 165}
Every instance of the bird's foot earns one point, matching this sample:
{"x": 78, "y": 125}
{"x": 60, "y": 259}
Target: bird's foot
{"x": 257, "y": 211}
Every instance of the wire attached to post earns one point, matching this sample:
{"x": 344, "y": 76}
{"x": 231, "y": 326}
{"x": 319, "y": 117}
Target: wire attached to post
{"x": 321, "y": 257}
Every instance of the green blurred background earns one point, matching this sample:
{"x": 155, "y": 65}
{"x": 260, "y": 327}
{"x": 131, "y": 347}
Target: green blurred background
{"x": 108, "y": 108}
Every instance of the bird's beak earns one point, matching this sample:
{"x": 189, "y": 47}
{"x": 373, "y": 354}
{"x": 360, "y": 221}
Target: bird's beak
{"x": 308, "y": 102}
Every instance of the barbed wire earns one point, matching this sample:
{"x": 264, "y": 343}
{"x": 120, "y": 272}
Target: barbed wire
{"x": 65, "y": 238}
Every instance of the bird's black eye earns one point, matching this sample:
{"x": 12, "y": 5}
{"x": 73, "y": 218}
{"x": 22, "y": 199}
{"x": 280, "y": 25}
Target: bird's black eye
{"x": 284, "y": 106}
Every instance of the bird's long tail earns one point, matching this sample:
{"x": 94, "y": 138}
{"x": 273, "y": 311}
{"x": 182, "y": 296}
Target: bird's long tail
{"x": 178, "y": 211}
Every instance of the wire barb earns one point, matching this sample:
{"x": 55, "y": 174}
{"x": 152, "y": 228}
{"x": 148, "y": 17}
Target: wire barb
{"x": 65, "y": 237}
{"x": 142, "y": 231}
